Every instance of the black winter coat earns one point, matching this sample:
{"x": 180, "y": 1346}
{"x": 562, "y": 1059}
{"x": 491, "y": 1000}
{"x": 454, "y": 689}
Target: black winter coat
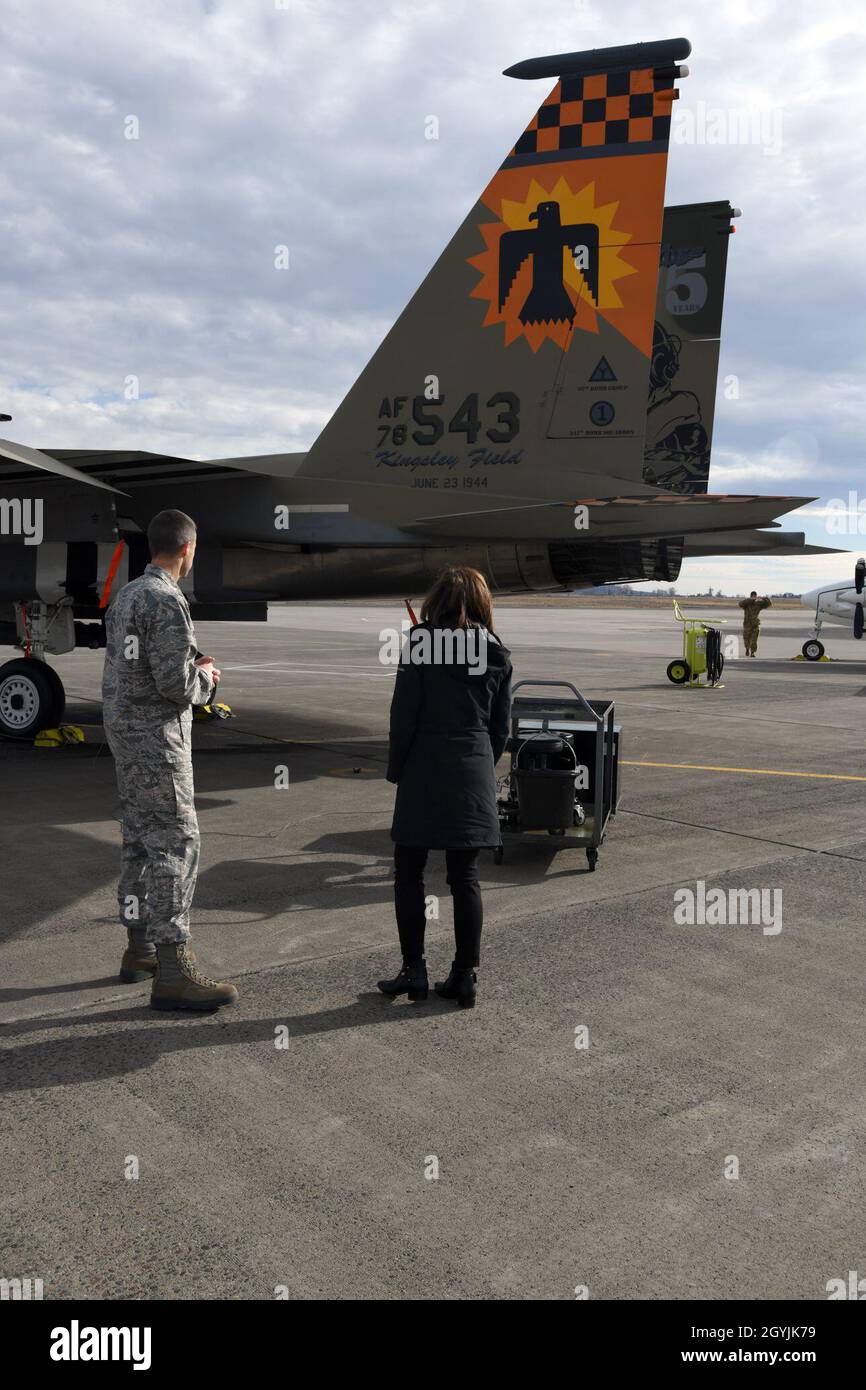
{"x": 449, "y": 727}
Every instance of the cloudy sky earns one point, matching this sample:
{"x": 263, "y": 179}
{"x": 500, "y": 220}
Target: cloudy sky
{"x": 262, "y": 123}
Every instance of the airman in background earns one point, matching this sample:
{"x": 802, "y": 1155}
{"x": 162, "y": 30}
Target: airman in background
{"x": 752, "y": 608}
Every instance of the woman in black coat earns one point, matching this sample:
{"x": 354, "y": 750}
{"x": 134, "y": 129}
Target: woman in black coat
{"x": 449, "y": 726}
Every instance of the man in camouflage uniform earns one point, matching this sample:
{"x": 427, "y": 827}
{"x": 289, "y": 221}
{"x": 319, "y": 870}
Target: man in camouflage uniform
{"x": 153, "y": 676}
{"x": 752, "y": 608}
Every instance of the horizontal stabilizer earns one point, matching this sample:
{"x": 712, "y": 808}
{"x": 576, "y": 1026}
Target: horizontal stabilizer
{"x": 779, "y": 543}
{"x": 605, "y": 518}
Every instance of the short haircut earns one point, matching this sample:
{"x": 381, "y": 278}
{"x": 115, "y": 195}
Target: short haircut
{"x": 753, "y": 594}
{"x": 169, "y": 532}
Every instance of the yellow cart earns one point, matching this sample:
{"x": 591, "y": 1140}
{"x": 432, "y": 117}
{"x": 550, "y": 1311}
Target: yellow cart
{"x": 702, "y": 653}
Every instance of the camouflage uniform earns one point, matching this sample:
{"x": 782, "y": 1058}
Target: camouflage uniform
{"x": 752, "y": 608}
{"x": 149, "y": 684}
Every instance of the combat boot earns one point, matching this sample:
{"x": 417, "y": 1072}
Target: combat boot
{"x": 138, "y": 961}
{"x": 179, "y": 985}
{"x": 460, "y": 985}
{"x": 411, "y": 980}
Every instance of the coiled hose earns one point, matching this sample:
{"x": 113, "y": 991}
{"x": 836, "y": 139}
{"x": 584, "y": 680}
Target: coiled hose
{"x": 715, "y": 659}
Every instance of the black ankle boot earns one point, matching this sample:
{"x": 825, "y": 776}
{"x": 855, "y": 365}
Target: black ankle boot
{"x": 412, "y": 980}
{"x": 460, "y": 985}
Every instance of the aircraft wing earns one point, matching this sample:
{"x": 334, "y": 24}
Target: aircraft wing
{"x": 115, "y": 470}
{"x": 34, "y": 458}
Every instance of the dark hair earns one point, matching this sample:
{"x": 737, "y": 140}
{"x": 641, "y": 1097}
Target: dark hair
{"x": 753, "y": 594}
{"x": 169, "y": 532}
{"x": 460, "y": 597}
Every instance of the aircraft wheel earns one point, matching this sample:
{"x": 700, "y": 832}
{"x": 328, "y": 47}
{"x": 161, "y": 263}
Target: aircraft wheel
{"x": 679, "y": 672}
{"x": 31, "y": 697}
{"x": 813, "y": 650}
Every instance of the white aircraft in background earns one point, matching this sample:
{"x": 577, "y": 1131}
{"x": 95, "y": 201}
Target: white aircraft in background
{"x": 836, "y": 603}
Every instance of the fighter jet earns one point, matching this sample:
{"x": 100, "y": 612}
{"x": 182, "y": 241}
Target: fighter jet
{"x": 542, "y": 409}
{"x": 841, "y": 604}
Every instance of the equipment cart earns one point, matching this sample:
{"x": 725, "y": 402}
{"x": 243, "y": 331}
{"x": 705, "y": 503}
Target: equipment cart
{"x": 702, "y": 653}
{"x": 564, "y": 775}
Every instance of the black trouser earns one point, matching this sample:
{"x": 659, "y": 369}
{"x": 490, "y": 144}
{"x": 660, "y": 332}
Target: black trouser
{"x": 462, "y": 874}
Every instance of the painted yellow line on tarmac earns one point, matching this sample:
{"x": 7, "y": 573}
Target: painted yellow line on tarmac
{"x": 753, "y": 771}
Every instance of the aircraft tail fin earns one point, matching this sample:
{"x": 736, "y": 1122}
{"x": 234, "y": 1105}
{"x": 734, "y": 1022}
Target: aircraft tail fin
{"x": 523, "y": 358}
{"x": 686, "y": 343}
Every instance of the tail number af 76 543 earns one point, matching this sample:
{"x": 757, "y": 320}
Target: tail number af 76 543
{"x": 501, "y": 422}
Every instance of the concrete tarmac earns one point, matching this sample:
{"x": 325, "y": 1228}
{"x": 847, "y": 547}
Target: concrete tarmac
{"x": 638, "y": 1106}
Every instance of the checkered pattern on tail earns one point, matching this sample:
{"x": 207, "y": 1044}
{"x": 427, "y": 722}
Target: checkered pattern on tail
{"x": 603, "y": 109}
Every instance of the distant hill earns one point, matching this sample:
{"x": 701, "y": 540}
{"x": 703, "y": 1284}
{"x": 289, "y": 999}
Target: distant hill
{"x": 589, "y": 599}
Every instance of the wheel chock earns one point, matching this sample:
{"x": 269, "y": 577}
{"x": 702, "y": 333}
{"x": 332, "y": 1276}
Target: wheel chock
{"x": 204, "y": 713}
{"x": 63, "y": 736}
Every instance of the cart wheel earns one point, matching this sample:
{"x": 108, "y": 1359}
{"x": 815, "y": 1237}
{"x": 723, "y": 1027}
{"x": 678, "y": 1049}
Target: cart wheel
{"x": 592, "y": 859}
{"x": 679, "y": 672}
{"x": 499, "y": 854}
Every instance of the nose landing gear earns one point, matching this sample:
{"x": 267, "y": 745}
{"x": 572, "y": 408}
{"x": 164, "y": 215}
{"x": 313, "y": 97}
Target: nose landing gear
{"x": 813, "y": 650}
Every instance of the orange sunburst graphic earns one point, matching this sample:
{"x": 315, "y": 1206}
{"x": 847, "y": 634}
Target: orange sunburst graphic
{"x": 511, "y": 269}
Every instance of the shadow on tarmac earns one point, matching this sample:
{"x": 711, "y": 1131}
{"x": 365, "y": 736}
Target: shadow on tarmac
{"x": 14, "y": 996}
{"x": 271, "y": 887}
{"x": 121, "y": 1049}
